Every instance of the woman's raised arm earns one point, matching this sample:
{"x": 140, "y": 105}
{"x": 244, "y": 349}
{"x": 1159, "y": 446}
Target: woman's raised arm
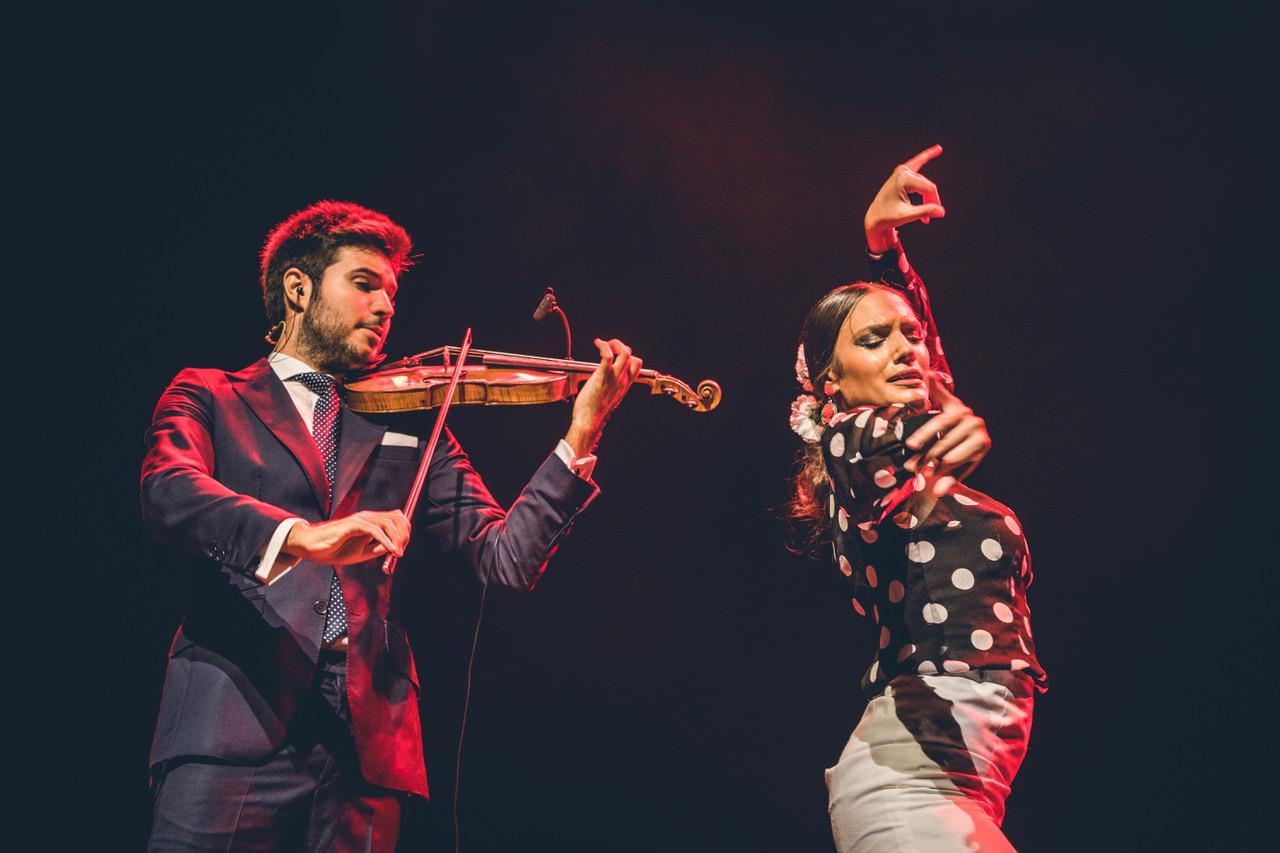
{"x": 955, "y": 440}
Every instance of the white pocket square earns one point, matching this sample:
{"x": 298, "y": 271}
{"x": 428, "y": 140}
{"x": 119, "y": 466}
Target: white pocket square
{"x": 399, "y": 439}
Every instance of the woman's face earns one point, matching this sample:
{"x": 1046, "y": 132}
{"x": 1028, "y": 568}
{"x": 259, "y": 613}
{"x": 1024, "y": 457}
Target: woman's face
{"x": 880, "y": 355}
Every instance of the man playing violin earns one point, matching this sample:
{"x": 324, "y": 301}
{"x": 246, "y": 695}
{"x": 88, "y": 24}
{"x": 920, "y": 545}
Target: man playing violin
{"x": 289, "y": 716}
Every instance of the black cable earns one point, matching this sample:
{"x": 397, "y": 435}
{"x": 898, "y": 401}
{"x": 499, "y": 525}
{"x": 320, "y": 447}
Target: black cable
{"x": 462, "y": 729}
{"x": 568, "y": 336}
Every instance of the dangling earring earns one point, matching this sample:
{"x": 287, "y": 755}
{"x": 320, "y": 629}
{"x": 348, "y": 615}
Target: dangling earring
{"x": 829, "y": 389}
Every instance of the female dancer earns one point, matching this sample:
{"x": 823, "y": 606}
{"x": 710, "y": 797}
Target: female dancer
{"x": 941, "y": 569}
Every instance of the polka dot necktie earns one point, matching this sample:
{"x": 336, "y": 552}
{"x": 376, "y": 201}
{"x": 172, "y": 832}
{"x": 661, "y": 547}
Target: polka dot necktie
{"x": 326, "y": 427}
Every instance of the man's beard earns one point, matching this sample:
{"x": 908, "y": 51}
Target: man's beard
{"x": 326, "y": 342}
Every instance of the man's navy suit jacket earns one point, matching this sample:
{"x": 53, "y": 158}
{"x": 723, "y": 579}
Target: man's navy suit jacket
{"x": 227, "y": 459}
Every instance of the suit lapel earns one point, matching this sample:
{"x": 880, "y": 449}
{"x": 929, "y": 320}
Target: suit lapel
{"x": 265, "y": 394}
{"x": 359, "y": 438}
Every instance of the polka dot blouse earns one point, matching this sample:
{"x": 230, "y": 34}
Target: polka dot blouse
{"x": 943, "y": 579}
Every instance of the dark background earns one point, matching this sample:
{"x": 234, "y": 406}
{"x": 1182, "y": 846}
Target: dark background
{"x": 690, "y": 180}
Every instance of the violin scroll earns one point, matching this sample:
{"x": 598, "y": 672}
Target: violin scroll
{"x": 705, "y": 398}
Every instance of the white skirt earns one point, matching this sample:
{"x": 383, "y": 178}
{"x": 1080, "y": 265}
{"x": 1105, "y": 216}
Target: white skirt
{"x": 929, "y": 766}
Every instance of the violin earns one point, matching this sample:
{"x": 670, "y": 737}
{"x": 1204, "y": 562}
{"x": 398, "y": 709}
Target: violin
{"x": 420, "y": 382}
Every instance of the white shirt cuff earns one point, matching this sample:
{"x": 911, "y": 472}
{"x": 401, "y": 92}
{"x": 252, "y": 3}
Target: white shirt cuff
{"x": 273, "y": 564}
{"x": 583, "y": 466}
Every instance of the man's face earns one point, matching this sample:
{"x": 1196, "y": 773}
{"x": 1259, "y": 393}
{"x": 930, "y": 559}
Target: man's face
{"x": 349, "y": 317}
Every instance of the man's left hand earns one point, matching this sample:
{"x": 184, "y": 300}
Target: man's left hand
{"x": 601, "y": 394}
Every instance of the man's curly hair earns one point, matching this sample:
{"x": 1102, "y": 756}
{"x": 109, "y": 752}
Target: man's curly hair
{"x": 311, "y": 239}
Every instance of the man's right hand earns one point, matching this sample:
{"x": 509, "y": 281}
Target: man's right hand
{"x": 354, "y": 539}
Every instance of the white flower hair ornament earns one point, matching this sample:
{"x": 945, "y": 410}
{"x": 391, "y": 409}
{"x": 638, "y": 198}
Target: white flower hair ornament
{"x": 808, "y": 416}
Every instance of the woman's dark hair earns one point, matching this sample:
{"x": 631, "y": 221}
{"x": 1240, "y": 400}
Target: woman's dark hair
{"x": 311, "y": 239}
{"x": 819, "y": 335}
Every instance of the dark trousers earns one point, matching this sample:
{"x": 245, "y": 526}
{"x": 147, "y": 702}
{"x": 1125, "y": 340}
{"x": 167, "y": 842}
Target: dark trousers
{"x": 308, "y": 796}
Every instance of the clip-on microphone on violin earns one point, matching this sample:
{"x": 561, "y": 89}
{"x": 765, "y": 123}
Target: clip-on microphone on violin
{"x": 549, "y": 305}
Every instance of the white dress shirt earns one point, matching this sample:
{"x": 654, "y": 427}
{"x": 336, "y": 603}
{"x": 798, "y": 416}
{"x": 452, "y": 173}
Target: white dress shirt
{"x": 273, "y": 564}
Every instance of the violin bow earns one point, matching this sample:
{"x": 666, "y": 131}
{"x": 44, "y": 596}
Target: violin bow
{"x": 389, "y": 564}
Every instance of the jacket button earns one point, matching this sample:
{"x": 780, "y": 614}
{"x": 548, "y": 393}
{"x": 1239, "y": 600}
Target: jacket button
{"x": 321, "y": 607}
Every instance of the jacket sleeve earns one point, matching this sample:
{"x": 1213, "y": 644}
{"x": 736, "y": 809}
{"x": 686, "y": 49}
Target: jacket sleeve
{"x": 506, "y": 547}
{"x": 893, "y": 268}
{"x": 182, "y": 501}
{"x": 864, "y": 454}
